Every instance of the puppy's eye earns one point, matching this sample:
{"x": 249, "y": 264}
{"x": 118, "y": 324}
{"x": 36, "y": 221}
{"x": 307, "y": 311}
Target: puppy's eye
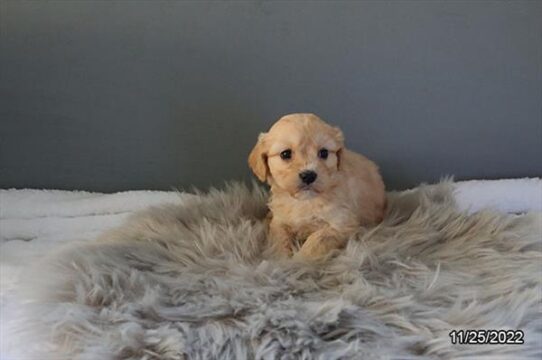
{"x": 323, "y": 153}
{"x": 286, "y": 154}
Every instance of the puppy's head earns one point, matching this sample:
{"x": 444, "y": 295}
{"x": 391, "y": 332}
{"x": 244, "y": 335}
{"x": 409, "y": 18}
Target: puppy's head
{"x": 299, "y": 155}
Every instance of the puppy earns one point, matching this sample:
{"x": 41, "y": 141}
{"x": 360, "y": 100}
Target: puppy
{"x": 321, "y": 193}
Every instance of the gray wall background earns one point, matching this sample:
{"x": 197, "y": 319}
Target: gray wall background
{"x": 116, "y": 95}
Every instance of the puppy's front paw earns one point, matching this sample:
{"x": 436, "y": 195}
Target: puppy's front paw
{"x": 321, "y": 244}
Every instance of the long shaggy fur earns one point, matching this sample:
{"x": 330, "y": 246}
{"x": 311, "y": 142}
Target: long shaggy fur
{"x": 197, "y": 281}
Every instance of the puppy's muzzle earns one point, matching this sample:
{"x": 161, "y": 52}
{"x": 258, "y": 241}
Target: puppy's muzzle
{"x": 308, "y": 176}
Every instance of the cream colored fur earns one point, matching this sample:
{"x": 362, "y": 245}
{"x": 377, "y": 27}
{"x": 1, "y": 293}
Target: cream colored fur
{"x": 348, "y": 191}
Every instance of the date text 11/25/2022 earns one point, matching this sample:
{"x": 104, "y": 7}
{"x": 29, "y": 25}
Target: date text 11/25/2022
{"x": 497, "y": 337}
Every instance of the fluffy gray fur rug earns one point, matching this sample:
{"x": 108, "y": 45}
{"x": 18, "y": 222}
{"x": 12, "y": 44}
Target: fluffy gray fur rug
{"x": 197, "y": 282}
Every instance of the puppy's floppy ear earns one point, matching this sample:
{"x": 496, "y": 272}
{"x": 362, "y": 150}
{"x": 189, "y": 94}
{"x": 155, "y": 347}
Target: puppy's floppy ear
{"x": 338, "y": 136}
{"x": 339, "y": 139}
{"x": 257, "y": 160}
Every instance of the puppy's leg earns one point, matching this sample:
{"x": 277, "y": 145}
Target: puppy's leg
{"x": 321, "y": 242}
{"x": 280, "y": 239}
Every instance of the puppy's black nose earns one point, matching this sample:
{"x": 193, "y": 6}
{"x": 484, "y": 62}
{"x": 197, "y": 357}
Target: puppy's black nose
{"x": 308, "y": 176}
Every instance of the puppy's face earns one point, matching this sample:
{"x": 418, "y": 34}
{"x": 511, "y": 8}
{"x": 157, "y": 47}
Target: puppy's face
{"x": 300, "y": 155}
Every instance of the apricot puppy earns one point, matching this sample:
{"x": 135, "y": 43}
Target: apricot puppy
{"x": 321, "y": 193}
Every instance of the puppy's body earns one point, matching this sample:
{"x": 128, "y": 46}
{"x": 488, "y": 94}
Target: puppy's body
{"x": 347, "y": 191}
